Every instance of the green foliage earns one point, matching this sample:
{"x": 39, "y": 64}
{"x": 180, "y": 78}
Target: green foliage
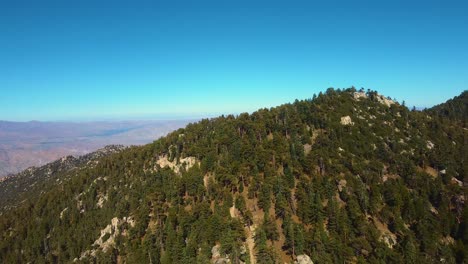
{"x": 328, "y": 190}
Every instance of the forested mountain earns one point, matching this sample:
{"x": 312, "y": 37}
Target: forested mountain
{"x": 455, "y": 109}
{"x": 345, "y": 177}
{"x": 36, "y": 180}
{"x": 34, "y": 143}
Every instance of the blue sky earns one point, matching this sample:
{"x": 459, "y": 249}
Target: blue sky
{"x": 92, "y": 60}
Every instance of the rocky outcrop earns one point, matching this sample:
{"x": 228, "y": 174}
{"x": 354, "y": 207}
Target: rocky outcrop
{"x": 346, "y": 121}
{"x": 216, "y": 257}
{"x": 383, "y": 100}
{"x": 430, "y": 145}
{"x": 107, "y": 238}
{"x": 342, "y": 184}
{"x": 303, "y": 259}
{"x": 380, "y": 98}
{"x": 359, "y": 95}
{"x": 185, "y": 163}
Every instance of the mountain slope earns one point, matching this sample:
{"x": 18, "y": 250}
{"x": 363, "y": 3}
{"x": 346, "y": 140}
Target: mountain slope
{"x": 455, "y": 109}
{"x": 347, "y": 176}
{"x": 36, "y": 180}
{"x": 27, "y": 144}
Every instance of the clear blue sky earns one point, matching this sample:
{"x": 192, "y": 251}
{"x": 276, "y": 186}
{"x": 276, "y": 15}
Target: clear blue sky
{"x": 71, "y": 60}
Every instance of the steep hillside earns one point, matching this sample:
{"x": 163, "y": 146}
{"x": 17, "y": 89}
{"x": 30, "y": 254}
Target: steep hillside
{"x": 36, "y": 180}
{"x": 345, "y": 177}
{"x": 455, "y": 109}
{"x": 28, "y": 144}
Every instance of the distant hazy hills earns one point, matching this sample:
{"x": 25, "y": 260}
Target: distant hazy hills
{"x": 26, "y": 144}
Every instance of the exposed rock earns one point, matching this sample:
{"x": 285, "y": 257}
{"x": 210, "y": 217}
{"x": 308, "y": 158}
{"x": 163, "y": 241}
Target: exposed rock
{"x": 456, "y": 181}
{"x": 383, "y": 100}
{"x": 303, "y": 259}
{"x": 270, "y": 136}
{"x": 341, "y": 184}
{"x": 215, "y": 252}
{"x": 243, "y": 249}
{"x": 186, "y": 163}
{"x": 54, "y": 173}
{"x": 206, "y": 180}
{"x": 222, "y": 261}
{"x": 387, "y": 237}
{"x": 102, "y": 199}
{"x": 448, "y": 240}
{"x": 216, "y": 257}
{"x": 380, "y": 98}
{"x": 107, "y": 238}
{"x": 359, "y": 95}
{"x": 389, "y": 240}
{"x": 346, "y": 120}
{"x": 430, "y": 145}
{"x": 63, "y": 212}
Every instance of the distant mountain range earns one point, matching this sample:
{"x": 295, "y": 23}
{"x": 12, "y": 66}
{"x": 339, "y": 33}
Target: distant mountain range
{"x": 26, "y": 144}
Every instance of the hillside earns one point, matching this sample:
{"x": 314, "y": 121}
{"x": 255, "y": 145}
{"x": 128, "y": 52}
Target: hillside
{"x": 35, "y": 180}
{"x": 345, "y": 177}
{"x": 455, "y": 109}
{"x": 28, "y": 144}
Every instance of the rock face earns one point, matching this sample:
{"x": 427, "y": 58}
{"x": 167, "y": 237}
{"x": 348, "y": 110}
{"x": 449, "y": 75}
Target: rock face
{"x": 107, "y": 238}
{"x": 389, "y": 240}
{"x": 385, "y": 101}
{"x": 430, "y": 145}
{"x": 346, "y": 121}
{"x": 303, "y": 259}
{"x": 187, "y": 163}
{"x": 359, "y": 95}
{"x": 341, "y": 184}
{"x": 380, "y": 98}
{"x": 216, "y": 257}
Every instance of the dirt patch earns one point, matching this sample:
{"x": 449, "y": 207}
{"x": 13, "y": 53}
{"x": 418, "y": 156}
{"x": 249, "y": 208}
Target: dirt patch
{"x": 307, "y": 148}
{"x": 250, "y": 231}
{"x": 431, "y": 171}
{"x": 285, "y": 258}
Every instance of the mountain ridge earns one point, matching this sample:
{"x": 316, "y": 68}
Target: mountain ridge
{"x": 13, "y": 186}
{"x": 26, "y": 144}
{"x": 339, "y": 177}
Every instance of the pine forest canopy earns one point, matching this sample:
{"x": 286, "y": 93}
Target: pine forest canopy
{"x": 345, "y": 177}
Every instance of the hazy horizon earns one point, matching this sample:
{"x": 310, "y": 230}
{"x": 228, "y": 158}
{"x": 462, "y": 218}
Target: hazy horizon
{"x": 93, "y": 60}
{"x": 26, "y": 144}
{"x": 183, "y": 116}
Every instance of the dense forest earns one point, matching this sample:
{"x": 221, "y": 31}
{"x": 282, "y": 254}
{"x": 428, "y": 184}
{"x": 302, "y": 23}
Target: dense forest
{"x": 454, "y": 109}
{"x": 347, "y": 176}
